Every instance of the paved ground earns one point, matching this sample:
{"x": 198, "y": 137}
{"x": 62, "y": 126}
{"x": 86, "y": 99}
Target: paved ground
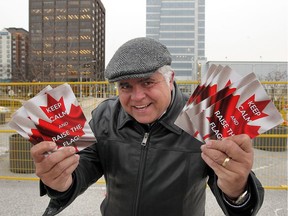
{"x": 22, "y": 198}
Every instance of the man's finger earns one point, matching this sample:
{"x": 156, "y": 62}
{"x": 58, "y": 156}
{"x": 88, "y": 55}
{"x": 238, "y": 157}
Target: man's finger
{"x": 226, "y": 145}
{"x": 64, "y": 166}
{"x": 39, "y": 151}
{"x": 243, "y": 141}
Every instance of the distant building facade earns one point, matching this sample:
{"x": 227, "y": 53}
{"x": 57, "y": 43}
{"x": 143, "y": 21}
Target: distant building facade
{"x": 265, "y": 70}
{"x": 274, "y": 73}
{"x": 5, "y": 56}
{"x": 20, "y": 50}
{"x": 14, "y": 46}
{"x": 67, "y": 40}
{"x": 180, "y": 25}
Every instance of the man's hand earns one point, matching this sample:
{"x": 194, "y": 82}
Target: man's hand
{"x": 237, "y": 152}
{"x": 54, "y": 167}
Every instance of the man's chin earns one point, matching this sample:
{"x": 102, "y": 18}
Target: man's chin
{"x": 143, "y": 120}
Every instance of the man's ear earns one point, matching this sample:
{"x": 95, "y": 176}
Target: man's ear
{"x": 172, "y": 80}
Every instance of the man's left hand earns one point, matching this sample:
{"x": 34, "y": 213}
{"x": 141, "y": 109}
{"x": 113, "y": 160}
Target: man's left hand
{"x": 232, "y": 160}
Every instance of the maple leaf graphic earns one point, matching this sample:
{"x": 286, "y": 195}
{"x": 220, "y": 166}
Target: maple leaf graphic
{"x": 208, "y": 91}
{"x": 64, "y": 128}
{"x": 221, "y": 94}
{"x": 202, "y": 92}
{"x": 251, "y": 105}
{"x": 198, "y": 89}
{"x": 228, "y": 111}
{"x": 35, "y": 136}
{"x": 228, "y": 83}
{"x": 205, "y": 93}
{"x": 249, "y": 111}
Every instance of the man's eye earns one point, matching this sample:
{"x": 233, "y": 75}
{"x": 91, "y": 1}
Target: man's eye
{"x": 124, "y": 87}
{"x": 148, "y": 83}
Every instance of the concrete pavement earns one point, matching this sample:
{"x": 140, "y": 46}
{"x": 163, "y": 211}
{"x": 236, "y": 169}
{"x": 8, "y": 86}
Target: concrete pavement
{"x": 22, "y": 198}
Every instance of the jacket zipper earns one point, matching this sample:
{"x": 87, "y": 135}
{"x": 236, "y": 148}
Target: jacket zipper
{"x": 145, "y": 138}
{"x": 143, "y": 156}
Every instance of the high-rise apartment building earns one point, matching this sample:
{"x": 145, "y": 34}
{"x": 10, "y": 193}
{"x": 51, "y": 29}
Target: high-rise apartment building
{"x": 67, "y": 40}
{"x": 5, "y": 56}
{"x": 20, "y": 50}
{"x": 180, "y": 25}
{"x": 13, "y": 54}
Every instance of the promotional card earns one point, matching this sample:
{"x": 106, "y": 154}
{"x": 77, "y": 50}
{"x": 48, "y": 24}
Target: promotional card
{"x": 226, "y": 104}
{"x": 248, "y": 110}
{"x": 56, "y": 116}
{"x": 187, "y": 125}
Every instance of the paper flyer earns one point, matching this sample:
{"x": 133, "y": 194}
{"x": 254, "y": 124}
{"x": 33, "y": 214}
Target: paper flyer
{"x": 248, "y": 110}
{"x": 218, "y": 78}
{"x": 242, "y": 106}
{"x": 208, "y": 101}
{"x": 216, "y": 97}
{"x": 55, "y": 116}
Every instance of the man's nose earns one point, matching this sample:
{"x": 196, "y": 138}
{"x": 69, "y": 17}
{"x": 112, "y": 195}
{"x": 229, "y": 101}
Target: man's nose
{"x": 138, "y": 92}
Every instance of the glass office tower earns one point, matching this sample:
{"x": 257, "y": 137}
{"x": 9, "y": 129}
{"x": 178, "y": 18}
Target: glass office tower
{"x": 180, "y": 25}
{"x": 67, "y": 40}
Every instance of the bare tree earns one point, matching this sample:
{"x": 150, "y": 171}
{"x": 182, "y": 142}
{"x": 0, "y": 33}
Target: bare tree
{"x": 277, "y": 87}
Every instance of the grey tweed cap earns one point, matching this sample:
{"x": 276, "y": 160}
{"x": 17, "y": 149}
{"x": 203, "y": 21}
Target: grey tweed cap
{"x": 137, "y": 58}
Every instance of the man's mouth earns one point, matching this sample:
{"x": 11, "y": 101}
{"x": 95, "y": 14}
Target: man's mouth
{"x": 141, "y": 107}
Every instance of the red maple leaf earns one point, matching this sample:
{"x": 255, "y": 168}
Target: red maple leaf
{"x": 198, "y": 89}
{"x": 202, "y": 92}
{"x": 206, "y": 92}
{"x": 253, "y": 109}
{"x": 65, "y": 128}
{"x": 35, "y": 137}
{"x": 228, "y": 83}
{"x": 250, "y": 110}
{"x": 221, "y": 94}
{"x": 235, "y": 118}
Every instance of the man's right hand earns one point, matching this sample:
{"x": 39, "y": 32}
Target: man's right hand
{"x": 55, "y": 168}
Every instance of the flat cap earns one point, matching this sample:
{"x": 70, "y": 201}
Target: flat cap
{"x": 137, "y": 58}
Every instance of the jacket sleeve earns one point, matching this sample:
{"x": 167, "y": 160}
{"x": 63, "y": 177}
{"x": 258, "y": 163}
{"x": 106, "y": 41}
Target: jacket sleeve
{"x": 250, "y": 208}
{"x": 88, "y": 172}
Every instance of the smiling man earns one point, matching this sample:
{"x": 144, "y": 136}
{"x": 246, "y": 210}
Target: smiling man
{"x": 151, "y": 167}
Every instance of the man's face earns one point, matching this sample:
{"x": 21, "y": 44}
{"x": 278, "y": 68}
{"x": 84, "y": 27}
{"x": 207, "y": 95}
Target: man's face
{"x": 145, "y": 99}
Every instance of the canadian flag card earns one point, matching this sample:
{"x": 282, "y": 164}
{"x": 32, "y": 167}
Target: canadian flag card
{"x": 239, "y": 112}
{"x": 219, "y": 80}
{"x": 230, "y": 106}
{"x": 56, "y": 116}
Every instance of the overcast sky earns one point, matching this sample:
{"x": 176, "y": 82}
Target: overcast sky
{"x": 241, "y": 30}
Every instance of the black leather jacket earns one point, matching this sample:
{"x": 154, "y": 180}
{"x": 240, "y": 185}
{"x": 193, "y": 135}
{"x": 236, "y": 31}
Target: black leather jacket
{"x": 153, "y": 170}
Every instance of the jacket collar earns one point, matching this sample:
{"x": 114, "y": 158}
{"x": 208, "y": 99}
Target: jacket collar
{"x": 167, "y": 119}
